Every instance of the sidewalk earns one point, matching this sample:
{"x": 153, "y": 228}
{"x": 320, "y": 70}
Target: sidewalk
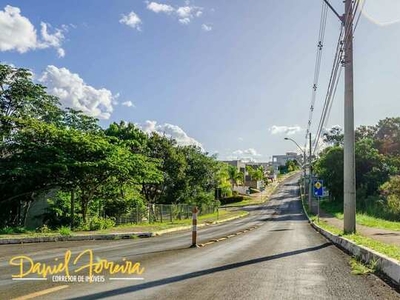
{"x": 383, "y": 235}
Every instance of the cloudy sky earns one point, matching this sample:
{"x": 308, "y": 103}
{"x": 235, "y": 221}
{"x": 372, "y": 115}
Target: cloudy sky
{"x": 233, "y": 77}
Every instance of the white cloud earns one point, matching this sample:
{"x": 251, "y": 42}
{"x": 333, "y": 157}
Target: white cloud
{"x": 250, "y": 151}
{"x": 18, "y": 33}
{"x": 184, "y": 21}
{"x": 206, "y": 27}
{"x": 159, "y": 7}
{"x": 249, "y": 155}
{"x": 289, "y": 130}
{"x": 185, "y": 14}
{"x": 171, "y": 131}
{"x": 61, "y": 52}
{"x": 131, "y": 20}
{"x": 184, "y": 11}
{"x": 128, "y": 104}
{"x": 73, "y": 92}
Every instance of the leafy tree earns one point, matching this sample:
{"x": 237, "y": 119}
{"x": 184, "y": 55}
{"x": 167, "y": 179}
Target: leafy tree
{"x": 235, "y": 176}
{"x": 334, "y": 137}
{"x": 387, "y": 136}
{"x": 129, "y": 135}
{"x": 391, "y": 190}
{"x": 330, "y": 168}
{"x": 21, "y": 98}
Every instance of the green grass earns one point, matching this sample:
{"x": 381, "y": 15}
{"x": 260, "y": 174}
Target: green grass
{"x": 361, "y": 218}
{"x": 157, "y": 226}
{"x": 63, "y": 230}
{"x": 386, "y": 249}
{"x": 143, "y": 227}
{"x": 358, "y": 268}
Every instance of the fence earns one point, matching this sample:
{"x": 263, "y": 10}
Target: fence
{"x": 164, "y": 213}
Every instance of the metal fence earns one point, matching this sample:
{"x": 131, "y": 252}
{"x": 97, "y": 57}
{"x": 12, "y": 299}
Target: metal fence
{"x": 164, "y": 213}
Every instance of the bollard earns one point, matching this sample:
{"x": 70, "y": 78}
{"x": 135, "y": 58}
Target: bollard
{"x": 194, "y": 227}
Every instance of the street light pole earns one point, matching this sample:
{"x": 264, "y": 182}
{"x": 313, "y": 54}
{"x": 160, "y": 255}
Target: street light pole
{"x": 304, "y": 160}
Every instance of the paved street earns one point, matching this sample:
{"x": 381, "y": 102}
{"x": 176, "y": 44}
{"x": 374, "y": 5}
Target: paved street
{"x": 284, "y": 258}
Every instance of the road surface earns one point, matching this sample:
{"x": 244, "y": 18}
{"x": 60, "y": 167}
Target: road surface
{"x": 284, "y": 258}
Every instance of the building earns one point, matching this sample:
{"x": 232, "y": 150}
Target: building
{"x": 280, "y": 160}
{"x": 241, "y": 166}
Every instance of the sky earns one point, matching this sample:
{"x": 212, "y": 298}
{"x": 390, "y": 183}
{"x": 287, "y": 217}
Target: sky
{"x": 231, "y": 76}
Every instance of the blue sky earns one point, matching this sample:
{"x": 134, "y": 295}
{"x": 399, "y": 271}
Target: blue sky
{"x": 232, "y": 76}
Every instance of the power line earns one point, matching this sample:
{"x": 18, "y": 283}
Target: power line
{"x": 317, "y": 68}
{"x": 336, "y": 70}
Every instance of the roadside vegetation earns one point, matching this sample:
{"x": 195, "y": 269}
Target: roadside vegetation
{"x": 377, "y": 152}
{"x": 386, "y": 249}
{"x": 221, "y": 216}
{"x": 87, "y": 175}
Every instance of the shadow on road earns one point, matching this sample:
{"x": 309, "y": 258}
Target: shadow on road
{"x": 161, "y": 282}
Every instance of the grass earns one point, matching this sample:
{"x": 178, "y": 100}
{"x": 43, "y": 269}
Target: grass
{"x": 66, "y": 231}
{"x": 157, "y": 226}
{"x": 143, "y": 227}
{"x": 359, "y": 268}
{"x": 386, "y": 249}
{"x": 361, "y": 218}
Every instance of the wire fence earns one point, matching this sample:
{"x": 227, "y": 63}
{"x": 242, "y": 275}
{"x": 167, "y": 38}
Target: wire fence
{"x": 164, "y": 213}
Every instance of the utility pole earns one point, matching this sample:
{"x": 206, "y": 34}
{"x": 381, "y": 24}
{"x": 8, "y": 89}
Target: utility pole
{"x": 310, "y": 180}
{"x": 349, "y": 156}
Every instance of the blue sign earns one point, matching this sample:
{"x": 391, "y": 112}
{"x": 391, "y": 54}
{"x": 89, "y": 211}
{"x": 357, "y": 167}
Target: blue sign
{"x": 318, "y": 188}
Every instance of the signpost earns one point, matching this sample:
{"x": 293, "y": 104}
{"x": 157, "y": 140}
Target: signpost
{"x": 318, "y": 191}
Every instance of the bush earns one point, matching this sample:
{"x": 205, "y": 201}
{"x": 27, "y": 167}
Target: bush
{"x": 63, "y": 230}
{"x": 43, "y": 229}
{"x": 97, "y": 223}
{"x": 11, "y": 230}
{"x": 233, "y": 199}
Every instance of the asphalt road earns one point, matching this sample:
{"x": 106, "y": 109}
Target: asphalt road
{"x": 284, "y": 258}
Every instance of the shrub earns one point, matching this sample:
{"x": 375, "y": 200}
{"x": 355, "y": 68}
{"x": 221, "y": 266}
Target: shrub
{"x": 43, "y": 229}
{"x": 97, "y": 223}
{"x": 11, "y": 230}
{"x": 63, "y": 230}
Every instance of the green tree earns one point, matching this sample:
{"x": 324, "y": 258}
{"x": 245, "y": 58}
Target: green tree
{"x": 329, "y": 167}
{"x": 235, "y": 176}
{"x": 21, "y": 98}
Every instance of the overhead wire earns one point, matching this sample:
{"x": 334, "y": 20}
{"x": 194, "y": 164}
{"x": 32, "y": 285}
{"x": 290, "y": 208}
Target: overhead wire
{"x": 317, "y": 68}
{"x": 337, "y": 70}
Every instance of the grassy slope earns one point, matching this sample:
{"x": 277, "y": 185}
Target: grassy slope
{"x": 362, "y": 218}
{"x": 386, "y": 249}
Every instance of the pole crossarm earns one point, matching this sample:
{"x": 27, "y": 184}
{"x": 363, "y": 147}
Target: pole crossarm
{"x": 334, "y": 11}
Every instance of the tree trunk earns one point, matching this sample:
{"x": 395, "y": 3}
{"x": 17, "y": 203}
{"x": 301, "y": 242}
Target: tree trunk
{"x": 72, "y": 208}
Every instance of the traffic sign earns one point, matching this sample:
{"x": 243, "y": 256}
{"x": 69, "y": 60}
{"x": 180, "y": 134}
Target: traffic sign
{"x": 318, "y": 188}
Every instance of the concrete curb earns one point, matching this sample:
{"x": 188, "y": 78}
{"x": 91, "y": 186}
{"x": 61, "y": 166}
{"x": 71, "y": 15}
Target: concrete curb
{"x": 88, "y": 237}
{"x": 107, "y": 236}
{"x": 386, "y": 265}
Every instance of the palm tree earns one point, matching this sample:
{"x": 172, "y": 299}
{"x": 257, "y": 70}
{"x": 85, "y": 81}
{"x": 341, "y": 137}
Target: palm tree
{"x": 235, "y": 176}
